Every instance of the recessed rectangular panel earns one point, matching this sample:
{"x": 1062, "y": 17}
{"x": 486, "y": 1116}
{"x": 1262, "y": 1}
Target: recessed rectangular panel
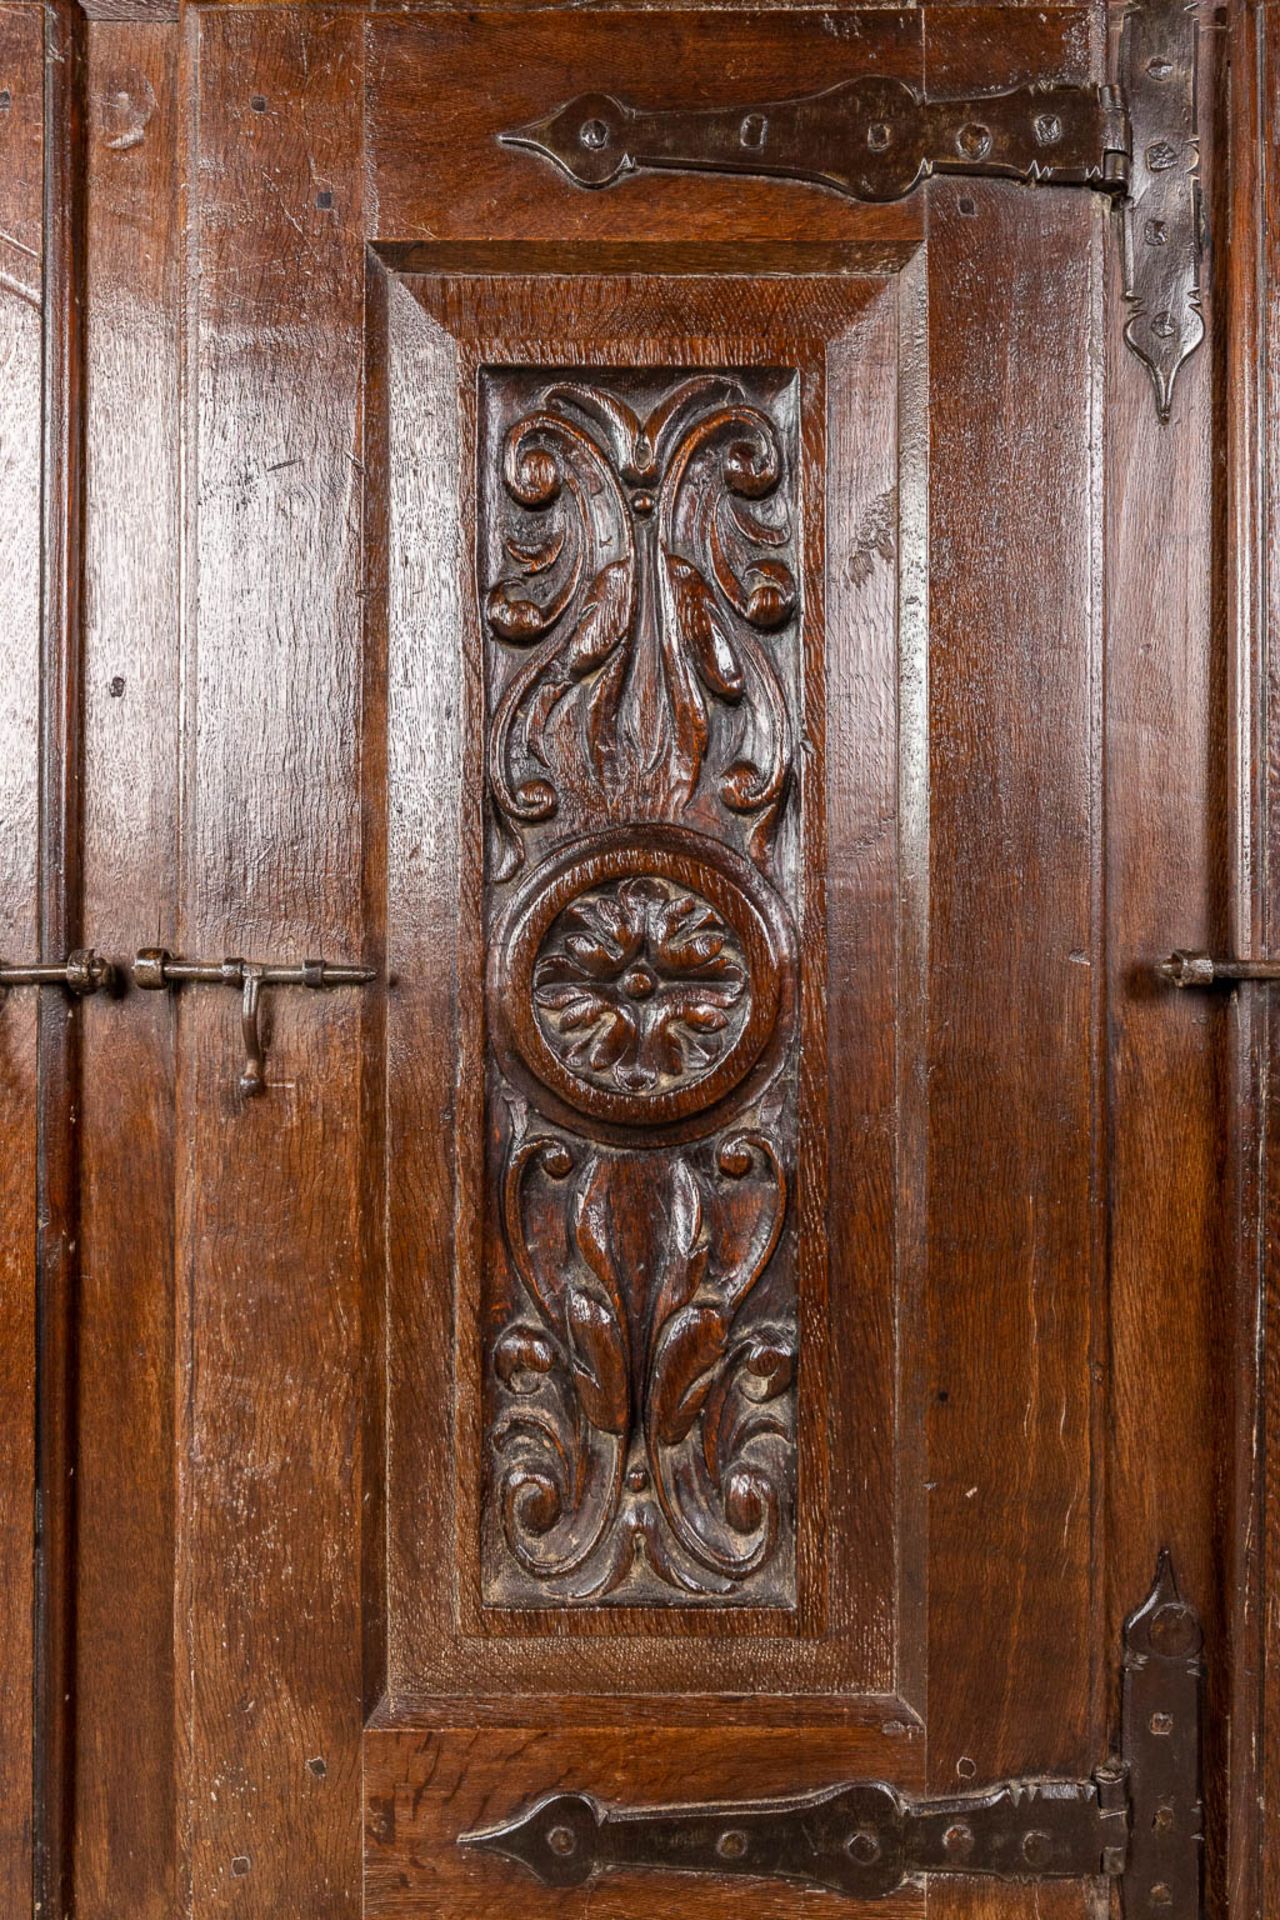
{"x": 643, "y": 1376}
{"x": 643, "y": 631}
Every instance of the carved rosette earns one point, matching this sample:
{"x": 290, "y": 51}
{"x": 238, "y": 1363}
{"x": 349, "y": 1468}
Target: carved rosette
{"x": 641, "y": 636}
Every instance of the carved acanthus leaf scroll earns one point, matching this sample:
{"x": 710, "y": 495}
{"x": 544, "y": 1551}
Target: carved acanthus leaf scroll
{"x": 644, "y": 1430}
{"x": 646, "y": 572}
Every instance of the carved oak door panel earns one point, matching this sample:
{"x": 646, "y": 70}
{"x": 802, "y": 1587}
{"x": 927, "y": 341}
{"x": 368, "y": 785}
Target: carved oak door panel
{"x": 718, "y": 1317}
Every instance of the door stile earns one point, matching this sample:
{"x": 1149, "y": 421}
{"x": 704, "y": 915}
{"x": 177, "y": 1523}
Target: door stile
{"x": 271, "y": 1213}
{"x": 58, "y": 1018}
{"x": 124, "y": 1839}
{"x": 1254, "y": 463}
{"x": 1169, "y": 812}
{"x": 22, "y": 215}
{"x": 1247, "y": 51}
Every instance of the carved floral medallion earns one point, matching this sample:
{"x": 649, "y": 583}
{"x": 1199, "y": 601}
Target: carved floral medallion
{"x": 638, "y": 980}
{"x": 641, "y": 618}
{"x": 641, "y": 986}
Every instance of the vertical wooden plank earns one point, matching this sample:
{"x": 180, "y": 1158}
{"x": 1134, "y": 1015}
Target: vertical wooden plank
{"x": 1242, "y": 163}
{"x": 21, "y": 249}
{"x": 270, "y": 1204}
{"x": 58, "y": 1017}
{"x": 1174, "y": 1128}
{"x": 1017, "y": 1087}
{"x": 124, "y": 1809}
{"x": 1260, "y": 65}
{"x": 1015, "y": 1097}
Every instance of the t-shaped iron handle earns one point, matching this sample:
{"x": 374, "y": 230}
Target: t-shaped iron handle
{"x": 155, "y": 969}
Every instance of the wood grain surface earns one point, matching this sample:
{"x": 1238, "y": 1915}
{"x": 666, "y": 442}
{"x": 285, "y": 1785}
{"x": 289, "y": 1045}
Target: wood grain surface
{"x": 125, "y": 1789}
{"x": 274, "y": 303}
{"x": 21, "y": 285}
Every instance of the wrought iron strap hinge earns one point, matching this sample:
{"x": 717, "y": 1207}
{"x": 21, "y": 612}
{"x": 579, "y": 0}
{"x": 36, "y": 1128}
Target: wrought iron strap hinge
{"x": 876, "y": 138}
{"x": 872, "y": 139}
{"x": 1137, "y": 1821}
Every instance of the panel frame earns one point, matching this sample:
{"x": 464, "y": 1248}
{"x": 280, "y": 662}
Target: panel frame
{"x": 407, "y": 1698}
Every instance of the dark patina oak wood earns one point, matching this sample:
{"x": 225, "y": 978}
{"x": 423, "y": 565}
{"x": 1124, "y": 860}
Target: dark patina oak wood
{"x": 641, "y": 533}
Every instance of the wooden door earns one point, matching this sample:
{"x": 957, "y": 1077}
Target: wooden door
{"x": 737, "y": 1303}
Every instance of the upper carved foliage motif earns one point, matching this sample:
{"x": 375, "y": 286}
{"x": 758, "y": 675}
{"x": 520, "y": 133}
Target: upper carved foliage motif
{"x": 646, "y": 573}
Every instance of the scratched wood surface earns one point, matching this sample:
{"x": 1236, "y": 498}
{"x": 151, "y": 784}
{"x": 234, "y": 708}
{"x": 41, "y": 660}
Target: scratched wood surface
{"x": 21, "y": 250}
{"x": 269, "y": 1196}
{"x": 125, "y": 1675}
{"x": 1028, "y": 1313}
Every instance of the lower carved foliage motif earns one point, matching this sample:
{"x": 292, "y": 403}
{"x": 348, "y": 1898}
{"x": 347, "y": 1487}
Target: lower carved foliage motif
{"x": 641, "y": 988}
{"x": 645, "y": 1437}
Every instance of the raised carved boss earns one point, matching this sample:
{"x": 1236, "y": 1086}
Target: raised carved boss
{"x": 638, "y": 980}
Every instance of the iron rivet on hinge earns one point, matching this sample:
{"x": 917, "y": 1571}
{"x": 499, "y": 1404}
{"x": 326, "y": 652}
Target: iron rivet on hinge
{"x": 1175, "y": 1631}
{"x": 958, "y": 1840}
{"x": 1037, "y": 1848}
{"x": 973, "y": 141}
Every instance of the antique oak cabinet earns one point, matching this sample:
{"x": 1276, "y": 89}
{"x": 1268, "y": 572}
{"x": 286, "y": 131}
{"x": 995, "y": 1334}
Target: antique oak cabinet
{"x": 682, "y": 1328}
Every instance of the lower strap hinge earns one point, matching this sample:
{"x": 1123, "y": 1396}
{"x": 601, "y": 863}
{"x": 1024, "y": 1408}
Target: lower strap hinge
{"x": 1137, "y": 1821}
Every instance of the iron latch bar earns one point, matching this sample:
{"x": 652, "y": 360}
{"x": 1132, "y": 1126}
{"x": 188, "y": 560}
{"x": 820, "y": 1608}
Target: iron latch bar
{"x": 1187, "y": 969}
{"x": 82, "y": 972}
{"x": 877, "y": 138}
{"x": 1137, "y": 1821}
{"x": 155, "y": 969}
